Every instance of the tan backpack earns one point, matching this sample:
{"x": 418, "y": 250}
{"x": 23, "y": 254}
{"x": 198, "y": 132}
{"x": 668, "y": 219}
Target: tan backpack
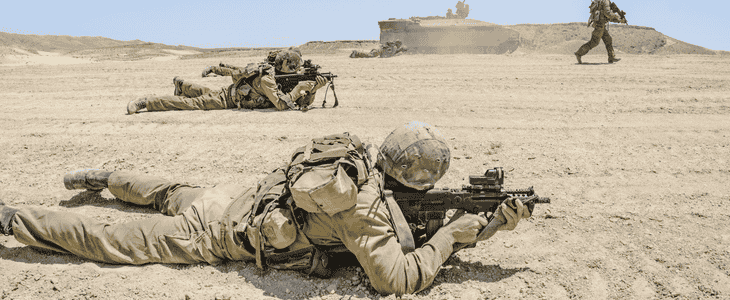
{"x": 326, "y": 175}
{"x": 323, "y": 177}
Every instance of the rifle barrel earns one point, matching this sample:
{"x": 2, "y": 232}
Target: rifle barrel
{"x": 326, "y": 75}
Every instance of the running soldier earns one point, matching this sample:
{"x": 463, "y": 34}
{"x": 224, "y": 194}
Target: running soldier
{"x": 601, "y": 14}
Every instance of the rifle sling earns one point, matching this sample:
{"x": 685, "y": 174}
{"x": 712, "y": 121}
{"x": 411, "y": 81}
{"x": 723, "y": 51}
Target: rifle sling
{"x": 402, "y": 230}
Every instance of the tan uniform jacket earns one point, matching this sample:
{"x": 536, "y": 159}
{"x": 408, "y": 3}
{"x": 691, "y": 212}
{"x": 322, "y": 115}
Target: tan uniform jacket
{"x": 264, "y": 87}
{"x": 367, "y": 232}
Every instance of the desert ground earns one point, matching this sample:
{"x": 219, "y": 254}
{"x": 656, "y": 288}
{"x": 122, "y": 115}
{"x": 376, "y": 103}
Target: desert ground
{"x": 634, "y": 156}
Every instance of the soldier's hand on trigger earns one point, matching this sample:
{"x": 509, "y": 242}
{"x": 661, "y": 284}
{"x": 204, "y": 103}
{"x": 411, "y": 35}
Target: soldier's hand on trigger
{"x": 511, "y": 216}
{"x": 465, "y": 227}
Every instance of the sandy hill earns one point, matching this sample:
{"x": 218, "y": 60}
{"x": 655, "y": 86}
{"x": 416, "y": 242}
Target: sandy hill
{"x": 57, "y": 43}
{"x": 562, "y": 38}
{"x": 566, "y": 38}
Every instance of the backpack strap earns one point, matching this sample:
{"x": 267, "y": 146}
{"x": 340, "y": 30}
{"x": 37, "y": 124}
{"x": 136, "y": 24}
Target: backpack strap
{"x": 258, "y": 241}
{"x": 265, "y": 189}
{"x": 402, "y": 230}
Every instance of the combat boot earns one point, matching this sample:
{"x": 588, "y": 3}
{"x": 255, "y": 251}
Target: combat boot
{"x": 90, "y": 179}
{"x": 136, "y": 105}
{"x": 613, "y": 60}
{"x": 577, "y": 56}
{"x": 7, "y": 214}
{"x": 177, "y": 81}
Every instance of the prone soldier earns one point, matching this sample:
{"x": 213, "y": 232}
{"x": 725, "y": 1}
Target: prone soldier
{"x": 223, "y": 69}
{"x": 254, "y": 87}
{"x": 389, "y": 49}
{"x": 287, "y": 222}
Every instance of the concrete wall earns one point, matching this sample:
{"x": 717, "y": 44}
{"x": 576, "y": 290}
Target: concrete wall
{"x": 486, "y": 39}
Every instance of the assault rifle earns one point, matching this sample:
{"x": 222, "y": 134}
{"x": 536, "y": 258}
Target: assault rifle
{"x": 614, "y": 8}
{"x": 425, "y": 211}
{"x": 287, "y": 82}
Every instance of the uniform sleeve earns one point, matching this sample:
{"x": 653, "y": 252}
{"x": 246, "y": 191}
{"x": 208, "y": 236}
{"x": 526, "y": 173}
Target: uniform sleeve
{"x": 266, "y": 85}
{"x": 366, "y": 231}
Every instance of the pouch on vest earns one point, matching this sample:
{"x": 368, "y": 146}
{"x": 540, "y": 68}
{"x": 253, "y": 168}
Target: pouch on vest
{"x": 277, "y": 227}
{"x": 239, "y": 90}
{"x": 325, "y": 175}
{"x": 595, "y": 13}
{"x": 284, "y": 247}
{"x": 300, "y": 256}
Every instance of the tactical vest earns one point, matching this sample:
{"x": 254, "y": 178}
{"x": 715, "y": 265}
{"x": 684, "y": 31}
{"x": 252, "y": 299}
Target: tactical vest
{"x": 596, "y": 8}
{"x": 326, "y": 175}
{"x": 323, "y": 177}
{"x": 239, "y": 91}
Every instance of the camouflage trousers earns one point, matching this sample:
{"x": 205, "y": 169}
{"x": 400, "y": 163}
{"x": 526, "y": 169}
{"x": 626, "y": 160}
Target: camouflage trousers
{"x": 197, "y": 226}
{"x": 192, "y": 97}
{"x": 361, "y": 54}
{"x": 599, "y": 33}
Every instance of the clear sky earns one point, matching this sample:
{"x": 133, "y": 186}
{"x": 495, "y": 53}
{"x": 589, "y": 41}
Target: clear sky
{"x": 219, "y": 23}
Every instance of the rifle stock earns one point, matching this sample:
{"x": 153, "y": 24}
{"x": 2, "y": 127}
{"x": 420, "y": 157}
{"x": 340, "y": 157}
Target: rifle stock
{"x": 425, "y": 211}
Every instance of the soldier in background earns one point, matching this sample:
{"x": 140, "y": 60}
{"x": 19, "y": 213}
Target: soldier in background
{"x": 230, "y": 70}
{"x": 253, "y": 87}
{"x": 390, "y": 49}
{"x": 450, "y": 14}
{"x": 462, "y": 10}
{"x": 221, "y": 70}
{"x": 601, "y": 14}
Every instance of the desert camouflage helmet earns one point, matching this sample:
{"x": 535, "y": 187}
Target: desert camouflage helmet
{"x": 416, "y": 155}
{"x": 292, "y": 57}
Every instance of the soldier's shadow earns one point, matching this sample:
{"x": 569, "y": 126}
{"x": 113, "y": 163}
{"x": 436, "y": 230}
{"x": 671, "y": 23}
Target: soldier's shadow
{"x": 271, "y": 110}
{"x": 456, "y": 270}
{"x": 592, "y": 64}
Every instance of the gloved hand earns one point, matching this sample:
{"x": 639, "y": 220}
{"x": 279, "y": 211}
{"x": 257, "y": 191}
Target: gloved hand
{"x": 310, "y": 86}
{"x": 321, "y": 81}
{"x": 465, "y": 227}
{"x": 511, "y": 216}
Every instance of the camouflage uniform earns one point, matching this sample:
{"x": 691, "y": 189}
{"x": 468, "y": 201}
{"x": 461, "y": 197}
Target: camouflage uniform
{"x": 259, "y": 92}
{"x": 600, "y": 17}
{"x": 196, "y": 227}
{"x": 222, "y": 70}
{"x": 254, "y": 87}
{"x": 191, "y": 96}
{"x": 390, "y": 49}
{"x": 362, "y": 54}
{"x": 230, "y": 70}
{"x": 201, "y": 226}
{"x": 462, "y": 10}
